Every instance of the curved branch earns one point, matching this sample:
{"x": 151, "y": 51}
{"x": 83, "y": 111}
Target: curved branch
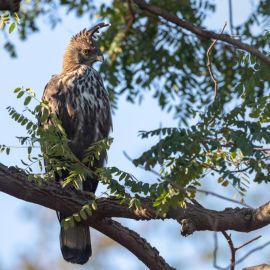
{"x": 193, "y": 217}
{"x": 200, "y": 32}
{"x": 133, "y": 242}
{"x": 51, "y": 195}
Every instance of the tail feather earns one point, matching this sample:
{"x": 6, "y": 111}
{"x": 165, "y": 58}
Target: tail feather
{"x": 75, "y": 244}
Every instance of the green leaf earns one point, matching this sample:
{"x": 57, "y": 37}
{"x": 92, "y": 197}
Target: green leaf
{"x": 27, "y": 100}
{"x": 11, "y": 27}
{"x": 87, "y": 210}
{"x": 83, "y": 214}
{"x": 20, "y": 94}
{"x": 18, "y": 89}
{"x": 77, "y": 217}
{"x": 44, "y": 115}
{"x": 94, "y": 205}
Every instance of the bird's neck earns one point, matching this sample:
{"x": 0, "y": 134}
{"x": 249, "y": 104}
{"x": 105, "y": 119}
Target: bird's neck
{"x": 70, "y": 61}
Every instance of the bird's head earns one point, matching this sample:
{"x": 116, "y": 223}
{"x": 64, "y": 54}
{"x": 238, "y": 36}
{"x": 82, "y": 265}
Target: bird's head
{"x": 83, "y": 49}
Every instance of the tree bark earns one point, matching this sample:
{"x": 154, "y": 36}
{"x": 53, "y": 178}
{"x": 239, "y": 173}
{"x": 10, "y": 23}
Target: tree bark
{"x": 14, "y": 182}
{"x": 193, "y": 217}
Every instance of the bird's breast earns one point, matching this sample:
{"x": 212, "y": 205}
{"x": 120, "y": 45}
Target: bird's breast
{"x": 85, "y": 106}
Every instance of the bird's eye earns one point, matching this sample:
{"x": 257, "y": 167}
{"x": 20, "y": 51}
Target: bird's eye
{"x": 86, "y": 51}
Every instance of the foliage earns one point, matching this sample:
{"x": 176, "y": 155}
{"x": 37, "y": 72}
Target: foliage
{"x": 10, "y": 22}
{"x": 225, "y": 135}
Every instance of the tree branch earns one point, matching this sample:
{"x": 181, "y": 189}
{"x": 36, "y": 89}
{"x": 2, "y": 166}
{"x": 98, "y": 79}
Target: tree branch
{"x": 200, "y": 32}
{"x": 232, "y": 249}
{"x": 258, "y": 267}
{"x": 51, "y": 195}
{"x": 193, "y": 217}
{"x": 133, "y": 242}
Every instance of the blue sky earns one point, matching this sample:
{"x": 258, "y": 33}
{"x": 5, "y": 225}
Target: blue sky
{"x": 40, "y": 57}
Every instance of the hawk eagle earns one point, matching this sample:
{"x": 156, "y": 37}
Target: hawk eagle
{"x": 78, "y": 98}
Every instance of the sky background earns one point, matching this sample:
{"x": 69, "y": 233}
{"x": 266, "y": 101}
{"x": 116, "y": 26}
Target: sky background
{"x": 40, "y": 57}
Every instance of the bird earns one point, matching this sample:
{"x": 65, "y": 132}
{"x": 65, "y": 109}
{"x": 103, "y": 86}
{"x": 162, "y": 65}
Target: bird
{"x": 78, "y": 98}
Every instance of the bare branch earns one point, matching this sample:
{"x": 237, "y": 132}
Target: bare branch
{"x": 133, "y": 242}
{"x": 200, "y": 32}
{"x": 209, "y": 63}
{"x": 231, "y": 16}
{"x": 232, "y": 249}
{"x": 248, "y": 242}
{"x": 67, "y": 201}
{"x": 253, "y": 251}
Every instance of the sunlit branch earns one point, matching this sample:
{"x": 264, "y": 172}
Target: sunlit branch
{"x": 200, "y": 32}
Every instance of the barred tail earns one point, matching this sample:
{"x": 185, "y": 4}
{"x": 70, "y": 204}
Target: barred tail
{"x": 75, "y": 244}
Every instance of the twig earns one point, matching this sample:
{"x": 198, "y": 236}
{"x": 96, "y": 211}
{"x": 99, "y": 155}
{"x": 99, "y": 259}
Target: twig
{"x": 200, "y": 32}
{"x": 252, "y": 251}
{"x": 247, "y": 243}
{"x": 235, "y": 249}
{"x": 231, "y": 16}
{"x": 206, "y": 192}
{"x": 232, "y": 249}
{"x": 209, "y": 63}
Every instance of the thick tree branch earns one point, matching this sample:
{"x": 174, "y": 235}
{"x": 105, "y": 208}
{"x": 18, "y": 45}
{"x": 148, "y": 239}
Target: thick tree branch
{"x": 200, "y": 32}
{"x": 193, "y": 218}
{"x": 132, "y": 240}
{"x": 51, "y": 195}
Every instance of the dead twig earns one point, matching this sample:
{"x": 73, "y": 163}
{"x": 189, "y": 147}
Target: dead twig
{"x": 209, "y": 63}
{"x": 231, "y": 16}
{"x": 252, "y": 251}
{"x": 248, "y": 242}
{"x": 232, "y": 249}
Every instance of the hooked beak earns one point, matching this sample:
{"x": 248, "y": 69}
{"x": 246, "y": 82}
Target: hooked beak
{"x": 100, "y": 58}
